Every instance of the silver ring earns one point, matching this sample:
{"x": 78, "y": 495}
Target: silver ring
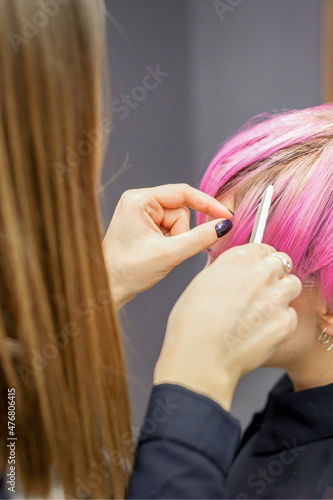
{"x": 286, "y": 263}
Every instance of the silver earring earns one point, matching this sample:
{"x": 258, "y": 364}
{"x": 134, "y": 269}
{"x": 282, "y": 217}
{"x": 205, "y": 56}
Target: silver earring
{"x": 324, "y": 338}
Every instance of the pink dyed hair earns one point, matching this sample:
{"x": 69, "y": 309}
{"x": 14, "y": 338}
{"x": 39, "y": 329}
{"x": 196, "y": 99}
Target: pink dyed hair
{"x": 294, "y": 152}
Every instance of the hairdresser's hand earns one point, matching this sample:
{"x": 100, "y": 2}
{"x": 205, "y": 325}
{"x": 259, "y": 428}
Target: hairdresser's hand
{"x": 150, "y": 234}
{"x": 229, "y": 321}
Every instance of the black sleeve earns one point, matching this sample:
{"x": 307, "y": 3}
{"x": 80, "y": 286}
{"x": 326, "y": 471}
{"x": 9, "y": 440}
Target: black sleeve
{"x": 186, "y": 446}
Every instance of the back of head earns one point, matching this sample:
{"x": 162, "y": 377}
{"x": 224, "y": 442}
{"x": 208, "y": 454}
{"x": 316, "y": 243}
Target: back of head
{"x": 294, "y": 152}
{"x": 59, "y": 342}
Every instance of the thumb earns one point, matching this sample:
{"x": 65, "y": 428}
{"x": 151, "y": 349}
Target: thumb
{"x": 185, "y": 245}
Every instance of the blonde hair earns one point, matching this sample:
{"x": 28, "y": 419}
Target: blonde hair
{"x": 60, "y": 347}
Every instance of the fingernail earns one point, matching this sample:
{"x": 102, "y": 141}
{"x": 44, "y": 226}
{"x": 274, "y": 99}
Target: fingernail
{"x": 223, "y": 227}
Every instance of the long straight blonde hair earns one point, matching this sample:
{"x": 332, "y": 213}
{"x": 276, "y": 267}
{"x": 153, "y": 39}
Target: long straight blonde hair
{"x": 60, "y": 347}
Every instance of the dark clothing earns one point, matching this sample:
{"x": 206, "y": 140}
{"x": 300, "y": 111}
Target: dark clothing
{"x": 188, "y": 443}
{"x": 186, "y": 446}
{"x": 287, "y": 451}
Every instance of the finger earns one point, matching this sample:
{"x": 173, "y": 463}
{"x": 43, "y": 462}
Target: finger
{"x": 277, "y": 329}
{"x": 275, "y": 261}
{"x": 288, "y": 289}
{"x": 249, "y": 252}
{"x": 288, "y": 320}
{"x": 185, "y": 245}
{"x": 293, "y": 319}
{"x": 176, "y": 221}
{"x": 178, "y": 195}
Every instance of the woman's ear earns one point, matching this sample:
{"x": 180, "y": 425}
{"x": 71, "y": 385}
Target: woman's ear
{"x": 326, "y": 322}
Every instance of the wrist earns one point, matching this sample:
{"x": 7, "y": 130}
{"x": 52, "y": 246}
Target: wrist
{"x": 219, "y": 388}
{"x": 120, "y": 298}
{"x": 118, "y": 290}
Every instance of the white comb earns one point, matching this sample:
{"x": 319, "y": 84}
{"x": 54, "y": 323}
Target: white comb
{"x": 261, "y": 217}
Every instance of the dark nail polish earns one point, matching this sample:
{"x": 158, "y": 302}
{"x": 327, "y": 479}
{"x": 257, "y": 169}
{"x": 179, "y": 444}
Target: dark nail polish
{"x": 231, "y": 211}
{"x": 223, "y": 227}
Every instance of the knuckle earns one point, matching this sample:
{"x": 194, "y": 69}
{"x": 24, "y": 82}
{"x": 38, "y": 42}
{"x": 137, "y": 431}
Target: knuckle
{"x": 232, "y": 257}
{"x": 139, "y": 194}
{"x": 128, "y": 194}
{"x": 265, "y": 249}
{"x": 237, "y": 253}
{"x": 278, "y": 294}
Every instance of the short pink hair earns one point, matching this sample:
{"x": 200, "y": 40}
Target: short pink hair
{"x": 293, "y": 151}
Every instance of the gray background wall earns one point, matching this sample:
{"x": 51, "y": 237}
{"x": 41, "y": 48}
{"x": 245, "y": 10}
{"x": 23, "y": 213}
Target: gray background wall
{"x": 222, "y": 69}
